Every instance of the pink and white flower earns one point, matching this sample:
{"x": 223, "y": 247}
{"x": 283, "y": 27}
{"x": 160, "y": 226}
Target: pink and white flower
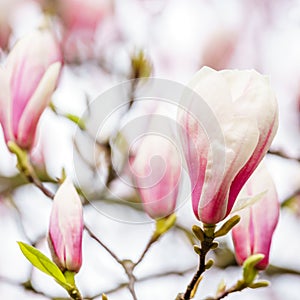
{"x": 27, "y": 81}
{"x": 80, "y": 21}
{"x": 243, "y": 110}
{"x": 65, "y": 228}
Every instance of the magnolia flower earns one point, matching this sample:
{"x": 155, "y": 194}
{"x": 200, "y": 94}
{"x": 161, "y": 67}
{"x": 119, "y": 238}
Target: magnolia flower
{"x": 253, "y": 234}
{"x": 27, "y": 82}
{"x": 65, "y": 229}
{"x": 156, "y": 170}
{"x": 225, "y": 132}
{"x": 81, "y": 20}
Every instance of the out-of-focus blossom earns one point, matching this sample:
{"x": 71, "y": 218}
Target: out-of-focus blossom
{"x": 246, "y": 113}
{"x": 81, "y": 20}
{"x": 84, "y": 15}
{"x": 27, "y": 82}
{"x": 253, "y": 234}
{"x": 66, "y": 227}
{"x": 219, "y": 49}
{"x": 156, "y": 169}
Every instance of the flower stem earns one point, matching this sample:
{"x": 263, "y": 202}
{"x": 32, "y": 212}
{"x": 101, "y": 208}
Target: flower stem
{"x": 162, "y": 226}
{"x": 25, "y": 168}
{"x": 206, "y": 245}
{"x": 73, "y": 291}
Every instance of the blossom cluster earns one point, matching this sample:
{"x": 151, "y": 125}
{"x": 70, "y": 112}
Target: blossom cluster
{"x": 225, "y": 123}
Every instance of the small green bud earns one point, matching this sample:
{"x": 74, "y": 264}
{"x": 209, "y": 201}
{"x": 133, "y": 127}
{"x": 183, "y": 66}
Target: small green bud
{"x": 249, "y": 270}
{"x": 214, "y": 245}
{"x": 140, "y": 65}
{"x": 227, "y": 226}
{"x": 209, "y": 264}
{"x": 199, "y": 233}
{"x": 259, "y": 284}
{"x": 197, "y": 249}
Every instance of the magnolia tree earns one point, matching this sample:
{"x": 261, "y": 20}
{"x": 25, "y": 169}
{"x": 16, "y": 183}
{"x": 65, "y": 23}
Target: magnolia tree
{"x": 153, "y": 170}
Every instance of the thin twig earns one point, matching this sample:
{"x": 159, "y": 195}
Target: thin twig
{"x": 93, "y": 236}
{"x": 39, "y": 184}
{"x": 148, "y": 246}
{"x": 19, "y": 218}
{"x": 126, "y": 264}
{"x": 143, "y": 279}
{"x": 231, "y": 290}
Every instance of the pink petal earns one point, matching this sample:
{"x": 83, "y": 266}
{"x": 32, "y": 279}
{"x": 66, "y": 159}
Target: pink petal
{"x": 195, "y": 144}
{"x": 257, "y": 100}
{"x": 254, "y": 233}
{"x": 240, "y": 138}
{"x": 55, "y": 239}
{"x": 262, "y": 147}
{"x": 36, "y": 106}
{"x": 241, "y": 237}
{"x": 265, "y": 219}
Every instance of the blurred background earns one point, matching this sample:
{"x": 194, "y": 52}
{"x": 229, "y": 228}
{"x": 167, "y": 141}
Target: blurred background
{"x": 106, "y": 42}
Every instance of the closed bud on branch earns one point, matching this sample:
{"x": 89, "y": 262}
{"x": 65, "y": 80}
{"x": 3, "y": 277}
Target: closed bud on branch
{"x": 66, "y": 227}
{"x": 253, "y": 234}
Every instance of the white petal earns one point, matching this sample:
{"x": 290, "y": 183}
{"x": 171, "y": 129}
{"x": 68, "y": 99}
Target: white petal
{"x": 214, "y": 90}
{"x": 241, "y": 137}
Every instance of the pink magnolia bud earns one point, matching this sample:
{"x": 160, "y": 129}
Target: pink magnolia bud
{"x": 27, "y": 82}
{"x": 65, "y": 229}
{"x": 253, "y": 234}
{"x": 157, "y": 169}
{"x": 239, "y": 107}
